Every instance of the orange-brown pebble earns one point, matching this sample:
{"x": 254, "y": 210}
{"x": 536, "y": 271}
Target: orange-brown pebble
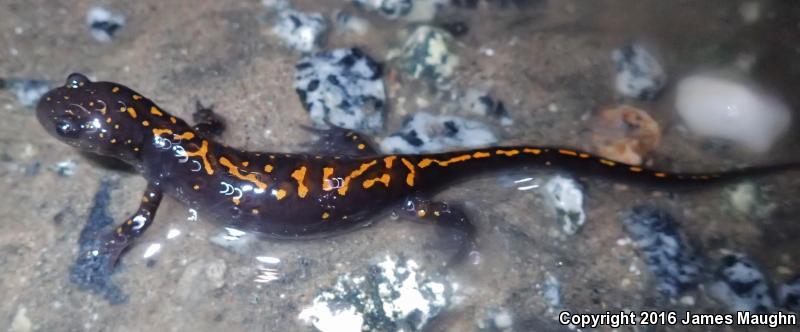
{"x": 625, "y": 134}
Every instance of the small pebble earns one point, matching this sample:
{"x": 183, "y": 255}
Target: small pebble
{"x": 408, "y": 10}
{"x": 789, "y": 295}
{"x": 28, "y": 92}
{"x": 393, "y": 293}
{"x": 741, "y": 286}
{"x": 567, "y": 198}
{"x": 750, "y": 11}
{"x": 103, "y": 24}
{"x": 342, "y": 87}
{"x": 348, "y": 23}
{"x": 671, "y": 260}
{"x": 721, "y": 108}
{"x": 299, "y": 30}
{"x": 625, "y": 134}
{"x": 424, "y": 132}
{"x": 426, "y": 55}
{"x": 639, "y": 75}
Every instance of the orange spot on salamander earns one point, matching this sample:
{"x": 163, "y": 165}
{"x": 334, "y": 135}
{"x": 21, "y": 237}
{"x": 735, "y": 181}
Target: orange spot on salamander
{"x": 326, "y": 181}
{"x": 173, "y": 120}
{"x": 145, "y": 123}
{"x": 583, "y": 155}
{"x": 155, "y": 111}
{"x": 354, "y": 174}
{"x": 132, "y": 112}
{"x": 388, "y": 161}
{"x": 268, "y": 168}
{"x": 567, "y": 152}
{"x": 411, "y": 172}
{"x": 508, "y": 153}
{"x": 532, "y": 151}
{"x": 635, "y": 169}
{"x": 245, "y": 163}
{"x": 233, "y": 170}
{"x": 279, "y": 194}
{"x": 479, "y": 154}
{"x": 203, "y": 154}
{"x": 300, "y": 176}
{"x": 325, "y": 215}
{"x": 660, "y": 175}
{"x": 385, "y": 178}
{"x": 427, "y": 161}
{"x": 136, "y": 97}
{"x": 607, "y": 162}
{"x": 115, "y": 89}
{"x": 361, "y": 146}
{"x": 196, "y": 187}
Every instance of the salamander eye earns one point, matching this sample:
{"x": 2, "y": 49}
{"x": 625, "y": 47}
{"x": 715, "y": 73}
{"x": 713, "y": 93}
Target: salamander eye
{"x": 66, "y": 127}
{"x": 76, "y": 80}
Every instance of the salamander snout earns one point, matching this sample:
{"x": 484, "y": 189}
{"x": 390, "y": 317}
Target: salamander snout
{"x": 91, "y": 116}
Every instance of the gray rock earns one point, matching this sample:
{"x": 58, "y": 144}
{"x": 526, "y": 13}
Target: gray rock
{"x": 741, "y": 286}
{"x": 300, "y": 31}
{"x": 567, "y": 198}
{"x": 342, "y": 87}
{"x": 789, "y": 295}
{"x": 424, "y": 132}
{"x": 103, "y": 24}
{"x": 426, "y": 54}
{"x": 395, "y": 295}
{"x": 639, "y": 75}
{"x": 668, "y": 256}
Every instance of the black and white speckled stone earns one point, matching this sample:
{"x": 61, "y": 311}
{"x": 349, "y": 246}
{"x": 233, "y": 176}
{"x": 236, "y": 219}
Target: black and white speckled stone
{"x": 394, "y": 295}
{"x": 426, "y": 55}
{"x": 741, "y": 286}
{"x": 299, "y": 30}
{"x": 566, "y": 195}
{"x": 639, "y": 75}
{"x": 103, "y": 24}
{"x": 27, "y": 91}
{"x": 388, "y": 8}
{"x": 424, "y": 132}
{"x": 671, "y": 260}
{"x": 481, "y": 103}
{"x": 410, "y": 10}
{"x": 342, "y": 87}
{"x": 789, "y": 295}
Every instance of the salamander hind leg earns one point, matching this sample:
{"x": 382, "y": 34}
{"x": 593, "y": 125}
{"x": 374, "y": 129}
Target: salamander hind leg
{"x": 455, "y": 228}
{"x": 99, "y": 255}
{"x": 340, "y": 141}
{"x": 207, "y": 123}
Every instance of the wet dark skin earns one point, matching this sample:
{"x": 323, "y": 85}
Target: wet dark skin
{"x": 341, "y": 187}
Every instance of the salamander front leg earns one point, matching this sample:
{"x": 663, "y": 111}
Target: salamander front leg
{"x": 115, "y": 242}
{"x": 208, "y": 124}
{"x": 98, "y": 257}
{"x": 456, "y": 228}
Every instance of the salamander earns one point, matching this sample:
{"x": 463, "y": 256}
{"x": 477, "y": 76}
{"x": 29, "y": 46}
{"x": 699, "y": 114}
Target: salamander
{"x": 294, "y": 195}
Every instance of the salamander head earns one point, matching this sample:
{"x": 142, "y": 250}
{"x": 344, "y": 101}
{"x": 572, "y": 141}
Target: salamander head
{"x": 98, "y": 117}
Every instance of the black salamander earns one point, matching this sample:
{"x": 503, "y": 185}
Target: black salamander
{"x": 294, "y": 195}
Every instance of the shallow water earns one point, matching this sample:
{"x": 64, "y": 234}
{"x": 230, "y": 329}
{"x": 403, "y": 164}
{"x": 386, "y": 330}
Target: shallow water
{"x": 549, "y": 61}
